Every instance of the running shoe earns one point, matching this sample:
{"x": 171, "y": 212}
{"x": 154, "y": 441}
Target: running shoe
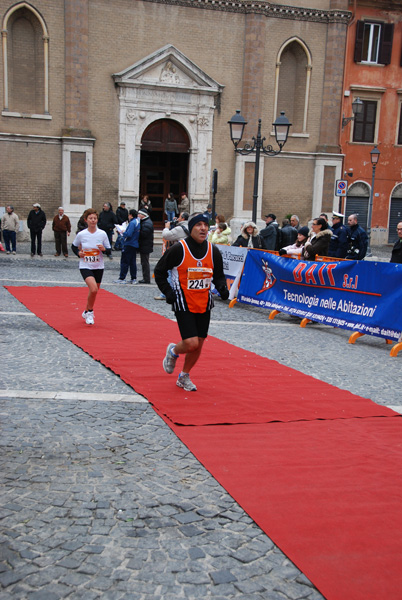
{"x": 89, "y": 318}
{"x": 119, "y": 281}
{"x": 169, "y": 362}
{"x": 185, "y": 382}
{"x": 133, "y": 281}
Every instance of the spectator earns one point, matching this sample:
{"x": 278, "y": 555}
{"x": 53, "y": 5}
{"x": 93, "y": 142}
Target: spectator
{"x": 318, "y": 242}
{"x": 396, "y": 256}
{"x": 288, "y": 234}
{"x": 221, "y": 235}
{"x": 145, "y": 204}
{"x": 295, "y": 222}
{"x": 146, "y": 244}
{"x": 107, "y": 222}
{"x": 249, "y": 237}
{"x": 82, "y": 224}
{"x": 209, "y": 215}
{"x": 324, "y": 216}
{"x": 171, "y": 209}
{"x": 219, "y": 219}
{"x": 10, "y": 225}
{"x": 297, "y": 247}
{"x": 130, "y": 240}
{"x": 121, "y": 213}
{"x": 184, "y": 203}
{"x": 270, "y": 232}
{"x": 172, "y": 235}
{"x": 338, "y": 246}
{"x": 61, "y": 228}
{"x": 357, "y": 239}
{"x": 36, "y": 224}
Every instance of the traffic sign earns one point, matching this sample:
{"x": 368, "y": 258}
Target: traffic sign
{"x": 341, "y": 187}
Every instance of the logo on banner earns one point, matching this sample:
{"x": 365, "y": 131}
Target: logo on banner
{"x": 270, "y": 278}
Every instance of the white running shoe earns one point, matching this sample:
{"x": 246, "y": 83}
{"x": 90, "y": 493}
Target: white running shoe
{"x": 133, "y": 281}
{"x": 169, "y": 362}
{"x": 119, "y": 281}
{"x": 185, "y": 382}
{"x": 89, "y": 318}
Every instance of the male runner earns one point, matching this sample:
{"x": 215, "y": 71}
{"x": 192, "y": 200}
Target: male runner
{"x": 194, "y": 263}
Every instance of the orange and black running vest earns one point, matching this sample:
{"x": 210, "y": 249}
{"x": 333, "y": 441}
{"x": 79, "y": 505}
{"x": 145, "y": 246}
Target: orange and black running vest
{"x": 191, "y": 281}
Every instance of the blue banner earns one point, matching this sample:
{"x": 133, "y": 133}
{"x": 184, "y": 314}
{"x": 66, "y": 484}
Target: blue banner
{"x": 357, "y": 295}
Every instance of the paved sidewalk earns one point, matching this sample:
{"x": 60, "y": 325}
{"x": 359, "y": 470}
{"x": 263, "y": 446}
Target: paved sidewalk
{"x": 99, "y": 499}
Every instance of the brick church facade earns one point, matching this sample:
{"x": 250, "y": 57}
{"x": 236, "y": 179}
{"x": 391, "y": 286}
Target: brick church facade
{"x": 107, "y": 100}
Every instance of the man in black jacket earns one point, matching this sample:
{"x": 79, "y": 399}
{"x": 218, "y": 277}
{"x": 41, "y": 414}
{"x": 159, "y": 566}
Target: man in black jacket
{"x": 107, "y": 221}
{"x": 146, "y": 243}
{"x": 121, "y": 213}
{"x": 338, "y": 246}
{"x": 396, "y": 256}
{"x": 270, "y": 232}
{"x": 357, "y": 240}
{"x": 194, "y": 263}
{"x": 36, "y": 224}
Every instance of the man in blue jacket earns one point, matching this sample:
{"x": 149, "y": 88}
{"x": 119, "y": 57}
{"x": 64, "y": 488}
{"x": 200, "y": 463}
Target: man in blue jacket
{"x": 130, "y": 246}
{"x": 338, "y": 246}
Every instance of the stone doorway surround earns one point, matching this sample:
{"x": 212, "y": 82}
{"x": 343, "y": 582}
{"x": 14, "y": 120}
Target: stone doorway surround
{"x": 166, "y": 85}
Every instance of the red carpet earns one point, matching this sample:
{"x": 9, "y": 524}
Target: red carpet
{"x": 324, "y": 481}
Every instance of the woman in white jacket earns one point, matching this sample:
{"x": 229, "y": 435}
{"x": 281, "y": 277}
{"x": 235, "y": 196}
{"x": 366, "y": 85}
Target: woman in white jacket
{"x": 296, "y": 248}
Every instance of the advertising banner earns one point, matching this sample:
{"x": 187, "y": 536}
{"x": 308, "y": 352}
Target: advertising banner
{"x": 233, "y": 259}
{"x": 356, "y": 295}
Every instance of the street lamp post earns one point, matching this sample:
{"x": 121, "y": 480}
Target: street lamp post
{"x": 374, "y": 156}
{"x": 281, "y": 127}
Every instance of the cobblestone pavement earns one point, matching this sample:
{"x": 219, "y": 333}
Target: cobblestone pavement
{"x": 99, "y": 499}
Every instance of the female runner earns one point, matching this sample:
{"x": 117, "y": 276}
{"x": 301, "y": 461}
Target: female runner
{"x": 89, "y": 245}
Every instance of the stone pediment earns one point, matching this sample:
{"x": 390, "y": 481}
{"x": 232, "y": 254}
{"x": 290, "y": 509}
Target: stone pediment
{"x": 167, "y": 68}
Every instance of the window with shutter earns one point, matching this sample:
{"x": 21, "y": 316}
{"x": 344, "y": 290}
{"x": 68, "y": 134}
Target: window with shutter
{"x": 364, "y": 123}
{"x": 373, "y": 43}
{"x": 400, "y": 127}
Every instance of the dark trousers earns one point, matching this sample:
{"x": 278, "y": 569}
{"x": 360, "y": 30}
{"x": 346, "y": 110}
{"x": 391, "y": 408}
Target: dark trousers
{"x": 36, "y": 238}
{"x": 10, "y": 239}
{"x": 128, "y": 261}
{"x": 146, "y": 272}
{"x": 60, "y": 238}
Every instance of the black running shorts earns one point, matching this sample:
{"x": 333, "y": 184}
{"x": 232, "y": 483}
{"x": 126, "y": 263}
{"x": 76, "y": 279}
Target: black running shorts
{"x": 96, "y": 273}
{"x": 193, "y": 324}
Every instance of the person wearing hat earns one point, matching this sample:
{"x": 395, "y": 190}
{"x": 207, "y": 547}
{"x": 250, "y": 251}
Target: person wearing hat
{"x": 296, "y": 248}
{"x": 270, "y": 232}
{"x": 194, "y": 264}
{"x": 121, "y": 213}
{"x": 338, "y": 246}
{"x": 36, "y": 223}
{"x": 146, "y": 244}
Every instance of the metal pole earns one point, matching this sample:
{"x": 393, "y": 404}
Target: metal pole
{"x": 256, "y": 172}
{"x": 370, "y": 212}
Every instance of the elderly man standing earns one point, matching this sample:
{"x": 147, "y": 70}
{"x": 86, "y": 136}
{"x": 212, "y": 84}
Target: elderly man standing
{"x": 9, "y": 225}
{"x": 36, "y": 224}
{"x": 62, "y": 228}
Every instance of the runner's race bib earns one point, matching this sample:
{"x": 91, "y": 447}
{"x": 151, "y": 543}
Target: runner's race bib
{"x": 199, "y": 278}
{"x": 92, "y": 256}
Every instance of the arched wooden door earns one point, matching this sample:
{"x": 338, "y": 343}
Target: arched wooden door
{"x": 164, "y": 164}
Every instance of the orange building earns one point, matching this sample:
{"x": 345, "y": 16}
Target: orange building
{"x": 373, "y": 73}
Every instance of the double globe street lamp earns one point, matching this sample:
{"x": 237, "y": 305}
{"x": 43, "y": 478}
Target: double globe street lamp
{"x": 281, "y": 128}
